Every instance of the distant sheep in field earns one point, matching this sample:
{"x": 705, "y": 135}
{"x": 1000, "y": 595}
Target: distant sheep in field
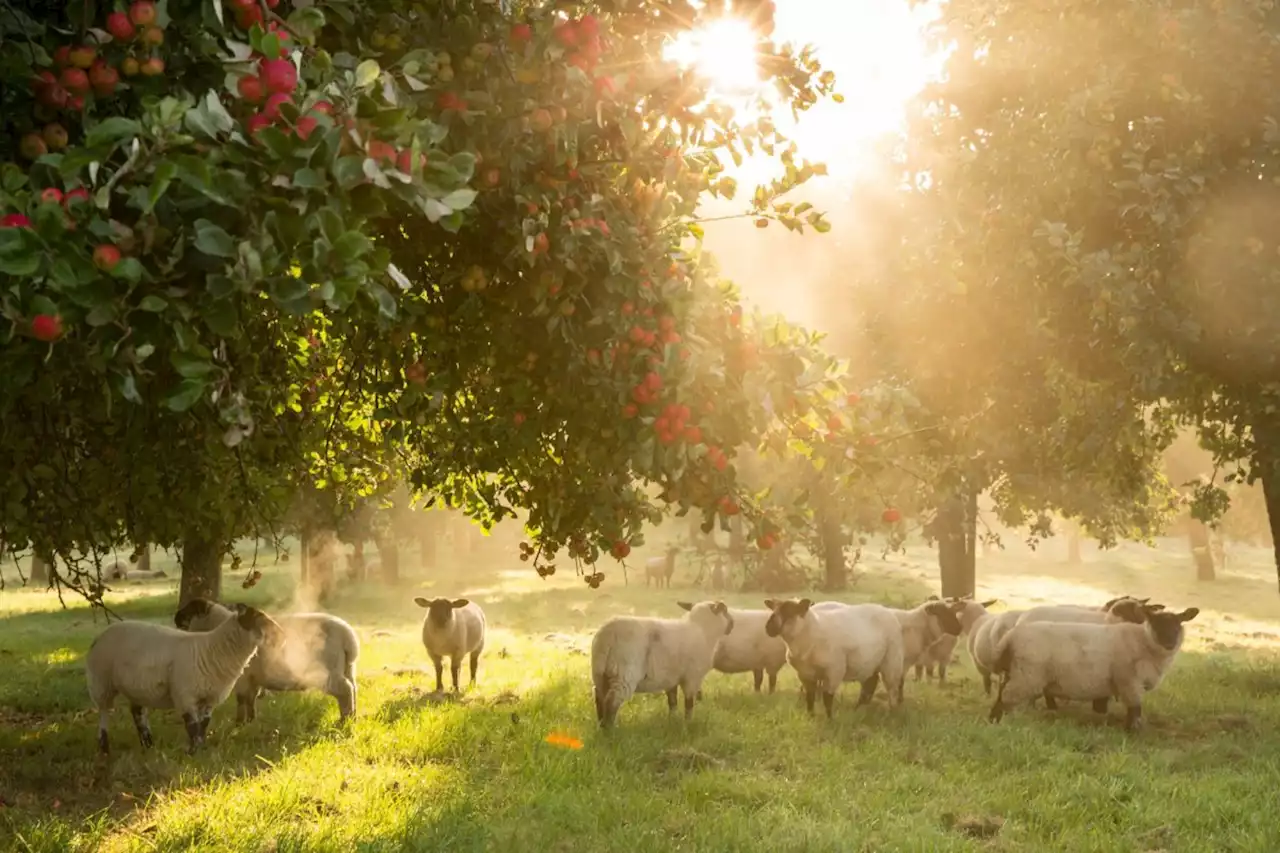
{"x": 635, "y": 654}
{"x": 155, "y": 666}
{"x": 452, "y": 629}
{"x": 1089, "y": 662}
{"x": 315, "y": 651}
{"x": 940, "y": 653}
{"x": 661, "y": 569}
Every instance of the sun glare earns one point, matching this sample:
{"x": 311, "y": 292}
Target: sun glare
{"x": 724, "y": 52}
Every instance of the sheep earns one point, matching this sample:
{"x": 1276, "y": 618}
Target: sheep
{"x": 750, "y": 649}
{"x": 1123, "y": 608}
{"x": 155, "y": 666}
{"x": 635, "y": 654}
{"x": 921, "y": 626}
{"x": 983, "y": 636}
{"x": 661, "y": 569}
{"x": 830, "y": 645}
{"x": 1087, "y": 661}
{"x": 317, "y": 652}
{"x": 453, "y": 629}
{"x": 939, "y": 654}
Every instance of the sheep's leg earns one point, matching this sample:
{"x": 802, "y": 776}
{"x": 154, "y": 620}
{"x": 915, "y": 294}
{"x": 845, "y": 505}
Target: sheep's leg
{"x": 698, "y": 695}
{"x": 920, "y": 671}
{"x": 942, "y": 673}
{"x": 1133, "y": 716}
{"x": 868, "y": 689}
{"x": 439, "y": 662}
{"x": 104, "y": 719}
{"x": 671, "y": 699}
{"x": 455, "y": 664}
{"x": 759, "y": 674}
{"x": 1050, "y": 703}
{"x": 688, "y": 703}
{"x": 242, "y": 709}
{"x": 773, "y": 682}
{"x": 828, "y": 700}
{"x": 345, "y": 693}
{"x": 142, "y": 725}
{"x": 986, "y": 682}
{"x": 193, "y": 731}
{"x": 474, "y": 664}
{"x": 599, "y": 697}
{"x": 810, "y": 689}
{"x": 1100, "y": 705}
{"x": 206, "y": 717}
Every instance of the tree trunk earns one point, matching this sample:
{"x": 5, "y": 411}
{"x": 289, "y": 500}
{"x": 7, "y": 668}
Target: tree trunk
{"x": 1198, "y": 538}
{"x": 429, "y": 533}
{"x": 1073, "y": 546}
{"x": 956, "y": 528}
{"x": 39, "y": 570}
{"x": 358, "y": 563}
{"x": 737, "y": 541}
{"x": 830, "y": 532}
{"x": 1266, "y": 461}
{"x": 144, "y": 557}
{"x": 201, "y": 567}
{"x": 304, "y": 557}
{"x": 389, "y": 556}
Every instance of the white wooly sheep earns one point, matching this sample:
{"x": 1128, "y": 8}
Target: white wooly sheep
{"x": 969, "y": 612}
{"x": 986, "y": 632}
{"x": 1122, "y": 609}
{"x": 750, "y": 649}
{"x": 921, "y": 626}
{"x": 155, "y": 666}
{"x": 1090, "y": 662}
{"x": 317, "y": 651}
{"x": 453, "y": 629}
{"x": 637, "y": 654}
{"x": 835, "y": 643}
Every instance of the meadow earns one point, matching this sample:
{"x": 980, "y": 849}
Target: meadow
{"x": 420, "y": 771}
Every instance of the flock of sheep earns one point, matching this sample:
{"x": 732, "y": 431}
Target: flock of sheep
{"x": 1120, "y": 650}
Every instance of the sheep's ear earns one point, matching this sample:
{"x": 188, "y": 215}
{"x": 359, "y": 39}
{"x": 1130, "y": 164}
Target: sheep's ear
{"x": 1144, "y": 600}
{"x": 1188, "y": 614}
{"x": 686, "y": 605}
{"x": 933, "y": 598}
{"x": 805, "y": 604}
{"x": 991, "y": 602}
{"x": 240, "y": 608}
{"x": 771, "y": 603}
{"x": 421, "y": 602}
{"x": 1154, "y": 608}
{"x": 968, "y": 596}
{"x": 461, "y": 602}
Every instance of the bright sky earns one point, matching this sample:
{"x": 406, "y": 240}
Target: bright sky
{"x": 873, "y": 46}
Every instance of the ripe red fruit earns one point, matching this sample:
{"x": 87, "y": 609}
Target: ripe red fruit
{"x": 52, "y": 95}
{"x": 255, "y": 123}
{"x": 450, "y": 101}
{"x": 852, "y": 399}
{"x": 891, "y": 516}
{"x": 247, "y": 17}
{"x": 105, "y": 257}
{"x": 153, "y": 36}
{"x": 75, "y": 103}
{"x": 620, "y": 550}
{"x": 630, "y": 410}
{"x": 834, "y": 423}
{"x": 272, "y": 108}
{"x": 693, "y": 435}
{"x": 142, "y": 13}
{"x": 382, "y": 152}
{"x": 33, "y": 146}
{"x": 305, "y": 126}
{"x": 322, "y": 107}
{"x": 540, "y": 119}
{"x": 46, "y": 327}
{"x": 521, "y": 33}
{"x": 75, "y": 81}
{"x": 764, "y": 542}
{"x": 518, "y": 418}
{"x": 278, "y": 75}
{"x": 104, "y": 80}
{"x": 404, "y": 161}
{"x": 541, "y": 244}
{"x": 51, "y": 195}
{"x": 55, "y": 136}
{"x": 120, "y": 27}
{"x": 153, "y": 67}
{"x": 82, "y": 57}
{"x": 250, "y": 88}
{"x": 566, "y": 34}
{"x": 75, "y": 196}
{"x": 14, "y": 220}
{"x": 62, "y": 56}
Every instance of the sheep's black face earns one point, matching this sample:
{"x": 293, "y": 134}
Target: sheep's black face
{"x": 723, "y": 609}
{"x": 945, "y": 615}
{"x": 190, "y": 611}
{"x": 1130, "y": 610}
{"x": 254, "y": 620}
{"x": 440, "y": 610}
{"x": 1167, "y": 627}
{"x": 785, "y": 613}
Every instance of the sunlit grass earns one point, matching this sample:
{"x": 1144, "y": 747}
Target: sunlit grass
{"x": 416, "y": 772}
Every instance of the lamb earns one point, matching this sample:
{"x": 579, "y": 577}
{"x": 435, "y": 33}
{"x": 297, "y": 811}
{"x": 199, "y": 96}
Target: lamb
{"x": 661, "y": 569}
{"x": 635, "y": 654}
{"x": 750, "y": 649}
{"x": 317, "y": 652}
{"x": 833, "y": 644}
{"x": 453, "y": 629}
{"x": 155, "y": 666}
{"x": 1091, "y": 662}
{"x": 939, "y": 654}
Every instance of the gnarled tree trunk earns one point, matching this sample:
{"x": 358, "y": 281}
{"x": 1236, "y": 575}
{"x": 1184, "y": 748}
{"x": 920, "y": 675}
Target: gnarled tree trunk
{"x": 956, "y": 529}
{"x": 389, "y": 556}
{"x": 1266, "y": 464}
{"x": 831, "y": 534}
{"x": 1198, "y": 538}
{"x": 201, "y": 566}
{"x": 39, "y": 572}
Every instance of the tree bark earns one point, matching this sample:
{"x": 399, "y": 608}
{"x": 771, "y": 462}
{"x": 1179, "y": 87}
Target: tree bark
{"x": 737, "y": 541}
{"x": 359, "y": 565}
{"x": 957, "y": 530}
{"x": 1198, "y": 538}
{"x": 1266, "y": 461}
{"x": 201, "y": 567}
{"x": 304, "y": 557}
{"x": 39, "y": 570}
{"x": 429, "y": 533}
{"x": 144, "y": 557}
{"x": 1073, "y": 546}
{"x": 389, "y": 556}
{"x": 831, "y": 534}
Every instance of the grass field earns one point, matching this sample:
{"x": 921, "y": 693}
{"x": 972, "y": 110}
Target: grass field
{"x": 749, "y": 773}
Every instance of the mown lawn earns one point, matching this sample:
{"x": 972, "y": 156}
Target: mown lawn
{"x": 750, "y": 772}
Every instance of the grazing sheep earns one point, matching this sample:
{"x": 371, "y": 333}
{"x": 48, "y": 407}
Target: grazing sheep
{"x": 155, "y": 666}
{"x": 750, "y": 649}
{"x": 1090, "y": 662}
{"x": 939, "y": 654}
{"x": 453, "y": 629}
{"x": 831, "y": 645}
{"x": 661, "y": 569}
{"x": 317, "y": 651}
{"x": 635, "y": 654}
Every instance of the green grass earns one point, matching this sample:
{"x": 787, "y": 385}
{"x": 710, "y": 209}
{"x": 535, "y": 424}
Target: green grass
{"x": 749, "y": 773}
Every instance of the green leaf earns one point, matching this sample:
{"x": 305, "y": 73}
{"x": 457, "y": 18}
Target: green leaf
{"x": 386, "y": 302}
{"x": 12, "y": 178}
{"x": 111, "y": 131}
{"x": 306, "y": 21}
{"x": 129, "y": 269}
{"x": 20, "y": 265}
{"x": 220, "y": 317}
{"x": 367, "y": 72}
{"x": 190, "y": 367}
{"x": 153, "y": 303}
{"x": 459, "y": 199}
{"x": 212, "y": 240}
{"x": 128, "y": 387}
{"x": 308, "y": 178}
{"x": 348, "y": 171}
{"x": 101, "y": 315}
{"x": 188, "y": 394}
{"x": 164, "y": 176}
{"x": 351, "y": 245}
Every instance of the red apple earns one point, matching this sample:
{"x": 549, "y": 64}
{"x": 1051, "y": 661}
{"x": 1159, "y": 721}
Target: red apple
{"x": 305, "y": 126}
{"x": 46, "y": 327}
{"x": 105, "y": 257}
{"x": 272, "y": 108}
{"x": 255, "y": 123}
{"x": 142, "y": 13}
{"x": 14, "y": 220}
{"x": 55, "y": 136}
{"x": 75, "y": 196}
{"x": 153, "y": 67}
{"x": 620, "y": 550}
{"x": 521, "y": 33}
{"x": 104, "y": 79}
{"x": 75, "y": 81}
{"x": 62, "y": 56}
{"x": 279, "y": 75}
{"x": 250, "y": 88}
{"x": 120, "y": 27}
{"x": 33, "y": 146}
{"x": 82, "y": 57}
{"x": 891, "y": 516}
